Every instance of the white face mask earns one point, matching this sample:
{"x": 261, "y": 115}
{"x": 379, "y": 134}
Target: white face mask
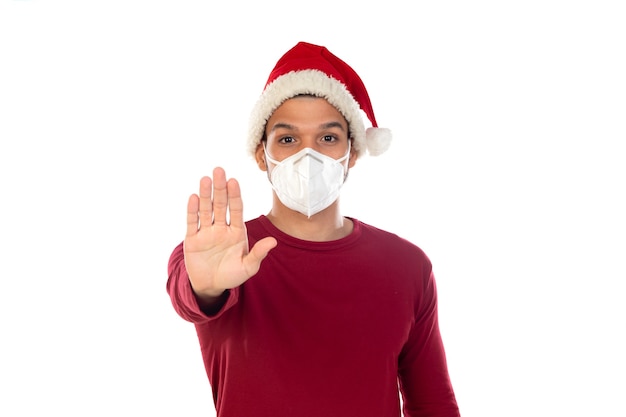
{"x": 308, "y": 181}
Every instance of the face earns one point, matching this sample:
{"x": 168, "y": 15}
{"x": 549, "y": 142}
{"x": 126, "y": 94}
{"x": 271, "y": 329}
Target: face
{"x": 305, "y": 122}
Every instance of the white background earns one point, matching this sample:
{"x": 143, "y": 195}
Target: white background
{"x": 507, "y": 168}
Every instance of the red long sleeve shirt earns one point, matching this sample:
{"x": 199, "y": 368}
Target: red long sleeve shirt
{"x": 337, "y": 328}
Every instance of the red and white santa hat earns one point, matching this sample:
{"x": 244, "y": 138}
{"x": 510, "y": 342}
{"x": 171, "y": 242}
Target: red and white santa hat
{"x": 313, "y": 69}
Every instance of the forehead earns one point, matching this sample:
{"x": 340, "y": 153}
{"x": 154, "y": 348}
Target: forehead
{"x": 307, "y": 107}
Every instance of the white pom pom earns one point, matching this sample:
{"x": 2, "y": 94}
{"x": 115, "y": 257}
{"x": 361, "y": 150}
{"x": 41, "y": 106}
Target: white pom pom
{"x": 378, "y": 140}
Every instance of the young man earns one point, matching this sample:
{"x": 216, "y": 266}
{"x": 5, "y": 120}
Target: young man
{"x": 304, "y": 312}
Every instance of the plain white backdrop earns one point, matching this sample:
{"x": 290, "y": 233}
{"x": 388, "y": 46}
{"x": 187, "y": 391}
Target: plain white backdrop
{"x": 507, "y": 168}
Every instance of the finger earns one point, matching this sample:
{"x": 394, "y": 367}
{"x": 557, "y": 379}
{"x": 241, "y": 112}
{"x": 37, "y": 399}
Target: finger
{"x": 192, "y": 215}
{"x": 252, "y": 261}
{"x": 235, "y": 203}
{"x": 220, "y": 197}
{"x": 205, "y": 206}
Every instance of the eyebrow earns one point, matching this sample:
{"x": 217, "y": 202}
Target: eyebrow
{"x": 282, "y": 126}
{"x": 331, "y": 125}
{"x": 323, "y": 126}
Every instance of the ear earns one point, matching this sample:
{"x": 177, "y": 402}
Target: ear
{"x": 259, "y": 156}
{"x": 353, "y": 156}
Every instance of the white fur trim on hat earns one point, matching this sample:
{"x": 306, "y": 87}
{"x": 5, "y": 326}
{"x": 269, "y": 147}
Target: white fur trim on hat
{"x": 317, "y": 83}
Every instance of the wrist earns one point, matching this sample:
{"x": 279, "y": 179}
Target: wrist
{"x": 210, "y": 303}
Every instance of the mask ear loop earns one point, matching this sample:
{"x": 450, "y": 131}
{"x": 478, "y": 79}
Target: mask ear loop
{"x": 344, "y": 158}
{"x": 267, "y": 156}
{"x": 347, "y": 155}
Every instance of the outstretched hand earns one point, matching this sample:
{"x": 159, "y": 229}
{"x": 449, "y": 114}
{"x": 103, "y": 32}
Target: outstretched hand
{"x": 216, "y": 245}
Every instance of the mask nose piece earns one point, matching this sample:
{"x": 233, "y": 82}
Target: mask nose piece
{"x": 309, "y": 166}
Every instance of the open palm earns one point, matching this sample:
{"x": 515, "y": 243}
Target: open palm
{"x": 216, "y": 251}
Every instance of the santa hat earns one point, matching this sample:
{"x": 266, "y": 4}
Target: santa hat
{"x": 313, "y": 69}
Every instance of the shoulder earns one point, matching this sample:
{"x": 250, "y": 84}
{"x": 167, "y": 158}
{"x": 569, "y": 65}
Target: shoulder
{"x": 370, "y": 231}
{"x": 389, "y": 242}
{"x": 258, "y": 228}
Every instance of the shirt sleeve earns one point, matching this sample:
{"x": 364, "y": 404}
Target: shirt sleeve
{"x": 181, "y": 294}
{"x": 423, "y": 372}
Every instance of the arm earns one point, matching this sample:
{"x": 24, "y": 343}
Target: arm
{"x": 185, "y": 301}
{"x": 423, "y": 371}
{"x": 214, "y": 257}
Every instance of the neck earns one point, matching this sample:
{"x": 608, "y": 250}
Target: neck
{"x": 324, "y": 226}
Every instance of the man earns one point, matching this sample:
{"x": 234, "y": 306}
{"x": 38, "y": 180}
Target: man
{"x": 304, "y": 312}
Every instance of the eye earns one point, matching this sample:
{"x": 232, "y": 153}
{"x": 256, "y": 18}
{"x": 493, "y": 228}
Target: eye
{"x": 286, "y": 139}
{"x": 329, "y": 138}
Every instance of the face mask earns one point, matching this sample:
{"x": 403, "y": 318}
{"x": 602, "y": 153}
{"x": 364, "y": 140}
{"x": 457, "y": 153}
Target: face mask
{"x": 307, "y": 181}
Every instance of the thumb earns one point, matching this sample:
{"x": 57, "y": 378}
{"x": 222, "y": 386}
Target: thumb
{"x": 257, "y": 253}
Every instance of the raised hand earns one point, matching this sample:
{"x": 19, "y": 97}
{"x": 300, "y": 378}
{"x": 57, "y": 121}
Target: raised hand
{"x": 216, "y": 245}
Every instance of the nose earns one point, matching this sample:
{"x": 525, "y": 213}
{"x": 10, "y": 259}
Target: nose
{"x": 310, "y": 142}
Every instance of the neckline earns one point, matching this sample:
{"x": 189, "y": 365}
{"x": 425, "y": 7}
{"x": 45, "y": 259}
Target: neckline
{"x": 287, "y": 239}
